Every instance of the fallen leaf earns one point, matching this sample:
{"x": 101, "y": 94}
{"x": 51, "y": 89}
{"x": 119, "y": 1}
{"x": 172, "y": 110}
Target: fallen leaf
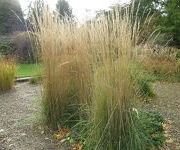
{"x": 64, "y": 131}
{"x": 153, "y": 135}
{"x": 78, "y": 146}
{"x": 169, "y": 141}
{"x": 58, "y": 136}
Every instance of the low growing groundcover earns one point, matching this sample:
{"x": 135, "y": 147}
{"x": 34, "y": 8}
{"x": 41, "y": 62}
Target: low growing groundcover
{"x": 150, "y": 129}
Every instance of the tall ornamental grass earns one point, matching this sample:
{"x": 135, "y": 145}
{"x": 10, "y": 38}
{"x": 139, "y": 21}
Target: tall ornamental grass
{"x": 66, "y": 67}
{"x": 114, "y": 122}
{"x": 89, "y": 65}
{"x": 7, "y": 73}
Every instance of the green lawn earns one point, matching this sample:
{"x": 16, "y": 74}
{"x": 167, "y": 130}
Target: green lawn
{"x": 26, "y": 70}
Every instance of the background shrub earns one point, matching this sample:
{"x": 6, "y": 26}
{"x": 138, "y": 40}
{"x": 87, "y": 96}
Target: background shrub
{"x": 24, "y": 44}
{"x": 161, "y": 67}
{"x": 7, "y": 48}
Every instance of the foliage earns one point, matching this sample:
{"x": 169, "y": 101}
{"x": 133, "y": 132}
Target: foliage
{"x": 145, "y": 88}
{"x": 24, "y": 44}
{"x": 113, "y": 119}
{"x": 11, "y": 17}
{"x": 35, "y": 80}
{"x": 91, "y": 66}
{"x": 165, "y": 69}
{"x": 7, "y": 48}
{"x": 152, "y": 127}
{"x": 171, "y": 20}
{"x": 141, "y": 80}
{"x": 7, "y": 73}
{"x": 145, "y": 8}
{"x": 164, "y": 17}
{"x": 64, "y": 9}
{"x": 66, "y": 68}
{"x": 91, "y": 70}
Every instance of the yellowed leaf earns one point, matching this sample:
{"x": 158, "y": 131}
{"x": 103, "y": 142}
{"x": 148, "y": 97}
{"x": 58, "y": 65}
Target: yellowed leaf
{"x": 78, "y": 146}
{"x": 153, "y": 135}
{"x": 169, "y": 141}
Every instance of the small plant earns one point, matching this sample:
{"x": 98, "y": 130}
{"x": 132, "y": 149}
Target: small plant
{"x": 35, "y": 80}
{"x": 7, "y": 73}
{"x": 142, "y": 81}
{"x": 145, "y": 89}
{"x": 152, "y": 127}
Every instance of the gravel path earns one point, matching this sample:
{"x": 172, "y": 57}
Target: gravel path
{"x": 19, "y": 129}
{"x": 167, "y": 103}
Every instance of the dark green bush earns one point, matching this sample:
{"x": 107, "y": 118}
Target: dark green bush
{"x": 141, "y": 81}
{"x": 145, "y": 89}
{"x": 7, "y": 48}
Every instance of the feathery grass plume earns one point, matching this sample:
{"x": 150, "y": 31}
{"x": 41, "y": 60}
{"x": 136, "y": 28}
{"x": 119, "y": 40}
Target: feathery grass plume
{"x": 66, "y": 68}
{"x": 7, "y": 73}
{"x": 112, "y": 40}
{"x": 89, "y": 64}
{"x": 114, "y": 124}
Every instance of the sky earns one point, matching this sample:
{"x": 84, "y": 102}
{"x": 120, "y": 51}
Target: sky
{"x": 82, "y": 9}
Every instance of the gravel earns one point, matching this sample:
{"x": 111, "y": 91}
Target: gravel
{"x": 167, "y": 103}
{"x": 19, "y": 128}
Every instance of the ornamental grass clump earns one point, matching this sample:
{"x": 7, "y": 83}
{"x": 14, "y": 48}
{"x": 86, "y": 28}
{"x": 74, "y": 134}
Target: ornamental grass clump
{"x": 114, "y": 122}
{"x": 89, "y": 65}
{"x": 66, "y": 69}
{"x": 7, "y": 73}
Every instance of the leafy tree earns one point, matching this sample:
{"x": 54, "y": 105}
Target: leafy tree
{"x": 64, "y": 9}
{"x": 145, "y": 8}
{"x": 165, "y": 17}
{"x": 11, "y": 16}
{"x": 171, "y": 20}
